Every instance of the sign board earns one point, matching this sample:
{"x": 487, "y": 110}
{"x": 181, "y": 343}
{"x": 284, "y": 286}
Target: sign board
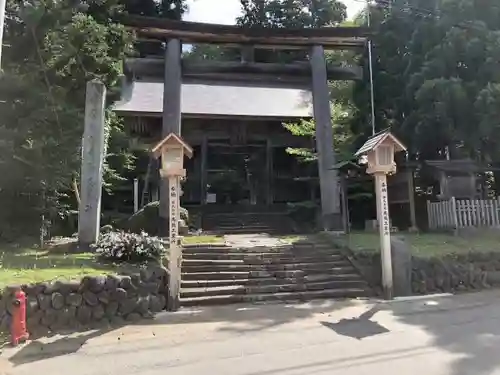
{"x": 173, "y": 186}
{"x": 386, "y": 228}
{"x": 379, "y": 152}
{"x": 172, "y": 150}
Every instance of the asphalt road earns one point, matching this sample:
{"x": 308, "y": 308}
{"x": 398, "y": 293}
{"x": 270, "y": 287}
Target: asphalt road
{"x": 434, "y": 336}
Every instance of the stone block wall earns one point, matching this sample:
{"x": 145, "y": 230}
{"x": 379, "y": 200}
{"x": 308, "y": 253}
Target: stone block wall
{"x": 449, "y": 273}
{"x": 93, "y": 300}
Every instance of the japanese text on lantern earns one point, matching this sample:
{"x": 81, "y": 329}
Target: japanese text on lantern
{"x": 385, "y": 209}
{"x": 173, "y": 213}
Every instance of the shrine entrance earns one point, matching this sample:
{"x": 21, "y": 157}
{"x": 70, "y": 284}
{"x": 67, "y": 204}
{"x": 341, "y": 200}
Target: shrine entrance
{"x": 236, "y": 173}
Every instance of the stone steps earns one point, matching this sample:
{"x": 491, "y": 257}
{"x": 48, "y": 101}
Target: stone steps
{"x": 273, "y": 297}
{"x": 260, "y": 258}
{"x": 271, "y": 288}
{"x": 246, "y": 222}
{"x": 245, "y": 230}
{"x": 209, "y": 283}
{"x": 306, "y": 270}
{"x": 278, "y": 250}
{"x": 211, "y": 266}
{"x": 235, "y": 274}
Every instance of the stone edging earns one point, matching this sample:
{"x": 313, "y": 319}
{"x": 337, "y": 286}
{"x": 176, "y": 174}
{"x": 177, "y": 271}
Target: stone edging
{"x": 53, "y": 306}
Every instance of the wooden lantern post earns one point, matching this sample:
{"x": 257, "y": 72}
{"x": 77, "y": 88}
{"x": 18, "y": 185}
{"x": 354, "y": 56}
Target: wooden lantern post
{"x": 379, "y": 151}
{"x": 172, "y": 150}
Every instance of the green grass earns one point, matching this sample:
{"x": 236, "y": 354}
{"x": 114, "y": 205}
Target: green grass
{"x": 429, "y": 244}
{"x": 28, "y": 265}
{"x": 195, "y": 240}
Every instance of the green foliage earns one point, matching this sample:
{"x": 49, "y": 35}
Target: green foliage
{"x": 292, "y": 13}
{"x": 298, "y": 14}
{"x": 211, "y": 52}
{"x": 304, "y": 213}
{"x": 436, "y": 77}
{"x": 342, "y": 137}
{"x": 289, "y": 14}
{"x": 276, "y": 13}
{"x": 60, "y": 46}
{"x": 147, "y": 219}
{"x": 130, "y": 247}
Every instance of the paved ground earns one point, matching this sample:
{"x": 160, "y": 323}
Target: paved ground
{"x": 253, "y": 240}
{"x": 433, "y": 336}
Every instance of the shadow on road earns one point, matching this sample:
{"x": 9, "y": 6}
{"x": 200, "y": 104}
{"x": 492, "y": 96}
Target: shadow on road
{"x": 37, "y": 350}
{"x": 245, "y": 318}
{"x": 239, "y": 318}
{"x": 360, "y": 327}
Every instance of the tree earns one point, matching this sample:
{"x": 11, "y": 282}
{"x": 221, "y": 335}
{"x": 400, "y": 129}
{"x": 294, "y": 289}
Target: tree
{"x": 289, "y": 14}
{"x": 42, "y": 93}
{"x": 292, "y": 13}
{"x": 342, "y": 136}
{"x": 433, "y": 72}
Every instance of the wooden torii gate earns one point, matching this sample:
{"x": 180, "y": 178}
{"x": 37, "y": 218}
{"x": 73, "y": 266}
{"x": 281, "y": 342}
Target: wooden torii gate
{"x": 314, "y": 73}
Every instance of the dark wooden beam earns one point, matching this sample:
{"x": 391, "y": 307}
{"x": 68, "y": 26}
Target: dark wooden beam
{"x": 154, "y": 67}
{"x": 195, "y": 32}
{"x": 269, "y": 172}
{"x": 172, "y": 74}
{"x": 249, "y": 78}
{"x": 203, "y": 169}
{"x": 143, "y": 38}
{"x": 171, "y": 116}
{"x": 328, "y": 175}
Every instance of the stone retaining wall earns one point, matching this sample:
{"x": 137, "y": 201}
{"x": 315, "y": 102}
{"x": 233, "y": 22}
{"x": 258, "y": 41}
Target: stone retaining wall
{"x": 95, "y": 299}
{"x": 450, "y": 273}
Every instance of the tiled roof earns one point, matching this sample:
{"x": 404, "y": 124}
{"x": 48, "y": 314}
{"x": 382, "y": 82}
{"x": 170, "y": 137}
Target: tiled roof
{"x": 220, "y": 99}
{"x": 376, "y": 139}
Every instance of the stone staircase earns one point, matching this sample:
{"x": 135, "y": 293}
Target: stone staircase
{"x": 299, "y": 272}
{"x": 247, "y": 222}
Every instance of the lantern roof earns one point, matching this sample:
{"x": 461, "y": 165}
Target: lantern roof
{"x": 169, "y": 140}
{"x": 377, "y": 139}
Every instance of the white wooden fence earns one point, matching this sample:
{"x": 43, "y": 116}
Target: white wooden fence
{"x": 463, "y": 213}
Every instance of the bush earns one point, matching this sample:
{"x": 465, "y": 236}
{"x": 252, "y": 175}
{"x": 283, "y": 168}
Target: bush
{"x": 147, "y": 219}
{"x": 304, "y": 214}
{"x": 130, "y": 247}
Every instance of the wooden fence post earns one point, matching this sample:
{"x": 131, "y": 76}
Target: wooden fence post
{"x": 454, "y": 214}
{"x": 495, "y": 211}
{"x": 429, "y": 215}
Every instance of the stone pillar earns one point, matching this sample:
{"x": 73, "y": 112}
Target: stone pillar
{"x": 401, "y": 266}
{"x": 93, "y": 151}
{"x": 330, "y": 190}
{"x": 171, "y": 117}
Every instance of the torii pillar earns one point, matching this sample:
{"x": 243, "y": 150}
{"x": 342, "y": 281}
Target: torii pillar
{"x": 171, "y": 117}
{"x": 331, "y": 214}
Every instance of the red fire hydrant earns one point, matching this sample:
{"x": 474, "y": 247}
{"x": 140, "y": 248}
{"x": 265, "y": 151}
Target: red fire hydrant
{"x": 18, "y": 330}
